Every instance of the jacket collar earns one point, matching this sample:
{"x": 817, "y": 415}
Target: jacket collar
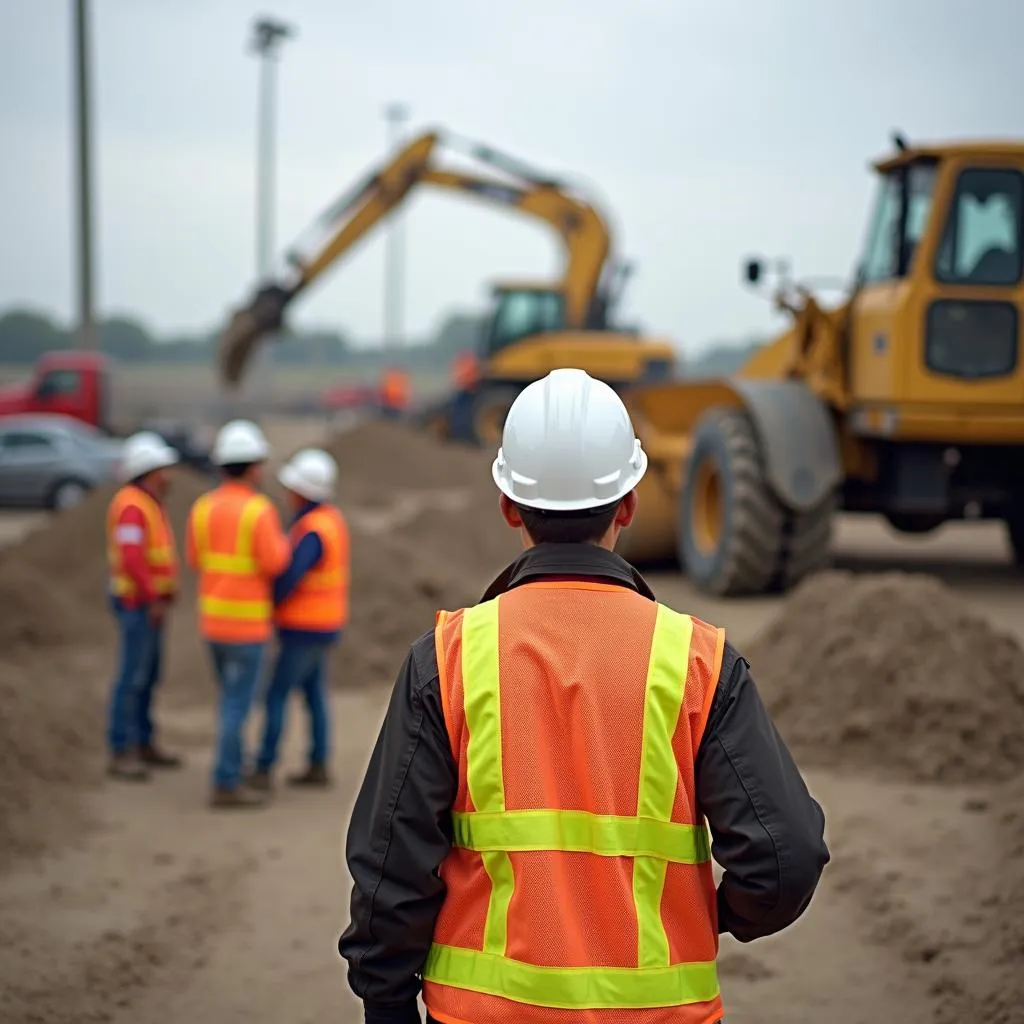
{"x": 305, "y": 510}
{"x": 568, "y": 561}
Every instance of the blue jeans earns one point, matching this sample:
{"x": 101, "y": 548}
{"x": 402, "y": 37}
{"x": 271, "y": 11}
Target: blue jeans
{"x": 300, "y": 665}
{"x": 129, "y": 722}
{"x": 237, "y": 667}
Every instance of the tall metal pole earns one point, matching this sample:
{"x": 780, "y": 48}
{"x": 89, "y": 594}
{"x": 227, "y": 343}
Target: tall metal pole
{"x": 396, "y": 114}
{"x": 87, "y": 335}
{"x": 268, "y": 35}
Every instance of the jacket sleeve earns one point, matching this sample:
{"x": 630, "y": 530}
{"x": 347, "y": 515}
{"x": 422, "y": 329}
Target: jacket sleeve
{"x": 305, "y": 556}
{"x": 767, "y": 830}
{"x": 270, "y": 545}
{"x": 399, "y": 834}
{"x": 130, "y": 537}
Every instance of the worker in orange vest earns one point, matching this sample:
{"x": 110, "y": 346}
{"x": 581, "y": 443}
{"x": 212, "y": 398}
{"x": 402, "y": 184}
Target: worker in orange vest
{"x": 533, "y": 837}
{"x": 395, "y": 392}
{"x": 236, "y": 544}
{"x": 311, "y": 596}
{"x": 143, "y": 572}
{"x": 465, "y": 380}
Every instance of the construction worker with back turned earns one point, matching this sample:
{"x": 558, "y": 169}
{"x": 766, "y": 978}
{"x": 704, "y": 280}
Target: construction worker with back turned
{"x": 236, "y": 543}
{"x": 529, "y": 842}
{"x": 143, "y": 570}
{"x": 311, "y": 596}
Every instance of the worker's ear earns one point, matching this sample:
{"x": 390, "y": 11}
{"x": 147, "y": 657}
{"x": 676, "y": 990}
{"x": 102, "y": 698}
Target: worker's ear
{"x": 510, "y": 513}
{"x": 626, "y": 510}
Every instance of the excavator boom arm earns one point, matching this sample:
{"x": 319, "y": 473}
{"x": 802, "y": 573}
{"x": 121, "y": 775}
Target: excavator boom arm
{"x": 345, "y": 222}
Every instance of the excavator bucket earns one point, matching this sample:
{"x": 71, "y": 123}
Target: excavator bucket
{"x": 247, "y": 327}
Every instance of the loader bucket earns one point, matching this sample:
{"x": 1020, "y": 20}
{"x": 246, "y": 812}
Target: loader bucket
{"x": 235, "y": 344}
{"x": 664, "y": 416}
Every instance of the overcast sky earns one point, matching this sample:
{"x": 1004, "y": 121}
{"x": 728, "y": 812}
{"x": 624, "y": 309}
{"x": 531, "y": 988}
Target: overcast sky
{"x": 711, "y": 129}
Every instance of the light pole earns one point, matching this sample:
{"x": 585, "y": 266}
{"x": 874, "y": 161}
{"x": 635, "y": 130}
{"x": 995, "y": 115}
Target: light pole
{"x": 87, "y": 334}
{"x": 396, "y": 114}
{"x": 267, "y": 37}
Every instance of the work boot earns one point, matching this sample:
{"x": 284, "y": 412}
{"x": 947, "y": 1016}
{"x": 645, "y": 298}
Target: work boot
{"x": 157, "y": 758}
{"x": 237, "y": 796}
{"x": 314, "y": 775}
{"x": 259, "y": 780}
{"x": 128, "y": 768}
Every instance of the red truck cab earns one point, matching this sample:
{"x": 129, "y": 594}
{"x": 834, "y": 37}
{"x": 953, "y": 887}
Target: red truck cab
{"x": 71, "y": 383}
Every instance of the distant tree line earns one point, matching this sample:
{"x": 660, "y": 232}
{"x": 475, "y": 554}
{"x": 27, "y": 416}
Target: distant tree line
{"x": 26, "y": 334}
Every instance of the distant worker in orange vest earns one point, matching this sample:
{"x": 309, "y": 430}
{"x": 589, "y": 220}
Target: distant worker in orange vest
{"x": 143, "y": 566}
{"x": 533, "y": 838}
{"x": 236, "y": 543}
{"x": 466, "y": 379}
{"x": 312, "y": 611}
{"x": 395, "y": 392}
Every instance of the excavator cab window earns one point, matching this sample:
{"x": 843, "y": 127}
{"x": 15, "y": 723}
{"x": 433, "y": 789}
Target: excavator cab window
{"x": 523, "y": 313}
{"x": 901, "y": 215}
{"x": 981, "y": 241}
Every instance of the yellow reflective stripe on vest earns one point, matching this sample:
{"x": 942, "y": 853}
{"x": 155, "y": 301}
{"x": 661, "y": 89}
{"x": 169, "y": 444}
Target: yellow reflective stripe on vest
{"x": 659, "y": 774}
{"x": 241, "y": 562}
{"x": 160, "y": 556}
{"x": 483, "y": 754}
{"x": 243, "y": 610}
{"x": 325, "y": 579}
{"x": 572, "y": 988}
{"x": 607, "y": 835}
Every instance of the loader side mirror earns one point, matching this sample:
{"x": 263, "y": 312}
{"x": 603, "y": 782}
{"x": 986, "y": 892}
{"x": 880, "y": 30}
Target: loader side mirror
{"x": 753, "y": 270}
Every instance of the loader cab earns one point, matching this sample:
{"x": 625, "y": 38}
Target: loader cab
{"x": 522, "y": 311}
{"x": 936, "y": 313}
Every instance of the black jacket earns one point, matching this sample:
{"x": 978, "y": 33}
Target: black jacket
{"x": 767, "y": 830}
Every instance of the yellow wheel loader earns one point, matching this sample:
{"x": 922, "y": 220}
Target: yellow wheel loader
{"x": 907, "y": 400}
{"x": 533, "y": 327}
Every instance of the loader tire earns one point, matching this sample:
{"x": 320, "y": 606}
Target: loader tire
{"x": 1015, "y": 534}
{"x": 808, "y": 543}
{"x": 731, "y": 528}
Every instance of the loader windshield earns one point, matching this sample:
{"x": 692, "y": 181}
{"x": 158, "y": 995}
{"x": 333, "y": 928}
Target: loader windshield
{"x": 981, "y": 240}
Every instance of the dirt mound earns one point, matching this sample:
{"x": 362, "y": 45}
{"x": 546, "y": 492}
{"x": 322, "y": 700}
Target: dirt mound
{"x": 893, "y": 673}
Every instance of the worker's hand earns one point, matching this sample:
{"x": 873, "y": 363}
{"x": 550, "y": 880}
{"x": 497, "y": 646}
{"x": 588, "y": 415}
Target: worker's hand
{"x": 157, "y": 612}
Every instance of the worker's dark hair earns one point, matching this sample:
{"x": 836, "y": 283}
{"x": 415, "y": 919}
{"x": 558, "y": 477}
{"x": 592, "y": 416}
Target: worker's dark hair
{"x": 585, "y": 527}
{"x": 236, "y": 470}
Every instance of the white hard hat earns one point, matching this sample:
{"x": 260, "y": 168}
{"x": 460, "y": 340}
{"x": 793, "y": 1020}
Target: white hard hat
{"x": 238, "y": 443}
{"x": 144, "y": 453}
{"x": 311, "y": 474}
{"x": 568, "y": 445}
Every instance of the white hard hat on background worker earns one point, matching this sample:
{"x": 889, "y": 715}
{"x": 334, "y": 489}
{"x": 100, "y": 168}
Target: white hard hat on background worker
{"x": 568, "y": 445}
{"x": 310, "y": 473}
{"x": 145, "y": 452}
{"x": 240, "y": 442}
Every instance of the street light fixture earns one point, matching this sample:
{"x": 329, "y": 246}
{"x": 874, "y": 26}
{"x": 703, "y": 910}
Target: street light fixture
{"x": 396, "y": 115}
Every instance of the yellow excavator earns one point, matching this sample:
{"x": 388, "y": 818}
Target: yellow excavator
{"x": 533, "y": 328}
{"x": 906, "y": 400}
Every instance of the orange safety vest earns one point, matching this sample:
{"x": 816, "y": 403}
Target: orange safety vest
{"x": 235, "y": 598}
{"x": 320, "y": 601}
{"x": 161, "y": 556}
{"x": 395, "y": 390}
{"x": 465, "y": 371}
{"x": 579, "y": 886}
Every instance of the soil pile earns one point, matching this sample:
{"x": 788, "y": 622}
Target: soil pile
{"x": 893, "y": 673}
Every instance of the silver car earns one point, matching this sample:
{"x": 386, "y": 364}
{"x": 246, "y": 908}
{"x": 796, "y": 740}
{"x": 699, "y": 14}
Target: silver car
{"x": 51, "y": 461}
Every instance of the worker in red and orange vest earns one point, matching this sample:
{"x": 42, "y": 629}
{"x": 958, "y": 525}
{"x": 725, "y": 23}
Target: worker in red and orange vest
{"x": 465, "y": 379}
{"x": 395, "y": 392}
{"x": 532, "y": 841}
{"x": 143, "y": 571}
{"x": 311, "y": 596}
{"x": 236, "y": 544}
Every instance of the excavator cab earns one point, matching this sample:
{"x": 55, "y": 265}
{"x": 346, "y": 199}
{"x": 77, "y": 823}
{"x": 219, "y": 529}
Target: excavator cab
{"x": 521, "y": 311}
